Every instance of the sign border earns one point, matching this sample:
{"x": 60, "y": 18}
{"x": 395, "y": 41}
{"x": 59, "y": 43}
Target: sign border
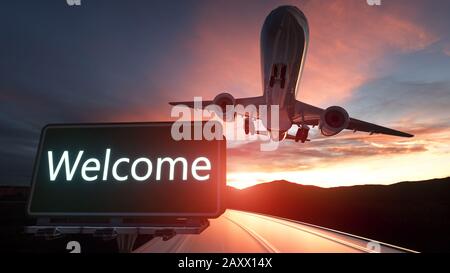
{"x": 220, "y": 185}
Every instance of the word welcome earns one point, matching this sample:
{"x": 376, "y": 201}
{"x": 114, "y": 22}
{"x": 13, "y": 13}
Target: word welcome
{"x": 91, "y": 167}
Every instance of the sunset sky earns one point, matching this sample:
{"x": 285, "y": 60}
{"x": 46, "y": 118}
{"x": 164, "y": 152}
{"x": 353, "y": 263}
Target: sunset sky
{"x": 125, "y": 60}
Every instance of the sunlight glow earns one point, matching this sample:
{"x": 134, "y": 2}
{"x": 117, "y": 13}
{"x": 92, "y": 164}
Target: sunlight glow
{"x": 380, "y": 170}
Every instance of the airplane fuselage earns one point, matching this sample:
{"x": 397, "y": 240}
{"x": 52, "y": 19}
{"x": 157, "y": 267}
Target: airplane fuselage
{"x": 284, "y": 42}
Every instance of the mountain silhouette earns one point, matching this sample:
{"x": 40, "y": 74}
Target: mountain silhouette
{"x": 414, "y": 215}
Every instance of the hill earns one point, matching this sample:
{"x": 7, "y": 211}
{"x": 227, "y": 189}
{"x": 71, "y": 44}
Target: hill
{"x": 409, "y": 214}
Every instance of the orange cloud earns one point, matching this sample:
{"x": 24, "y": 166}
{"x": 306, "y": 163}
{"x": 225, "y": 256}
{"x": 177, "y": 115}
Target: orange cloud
{"x": 348, "y": 39}
{"x": 447, "y": 50}
{"x": 346, "y": 158}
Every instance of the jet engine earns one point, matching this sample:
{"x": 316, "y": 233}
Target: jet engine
{"x": 333, "y": 120}
{"x": 223, "y": 100}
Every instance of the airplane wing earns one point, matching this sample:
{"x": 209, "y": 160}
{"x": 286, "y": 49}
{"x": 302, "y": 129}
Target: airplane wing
{"x": 359, "y": 125}
{"x": 191, "y": 103}
{"x": 241, "y": 101}
{"x": 310, "y": 115}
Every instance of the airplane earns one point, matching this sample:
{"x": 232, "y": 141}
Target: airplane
{"x": 284, "y": 44}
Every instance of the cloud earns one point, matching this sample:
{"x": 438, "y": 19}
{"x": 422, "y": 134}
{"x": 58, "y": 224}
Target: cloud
{"x": 346, "y": 159}
{"x": 323, "y": 152}
{"x": 396, "y": 102}
{"x": 446, "y": 50}
{"x": 349, "y": 40}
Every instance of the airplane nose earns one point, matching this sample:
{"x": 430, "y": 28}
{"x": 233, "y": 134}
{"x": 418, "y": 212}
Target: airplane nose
{"x": 276, "y": 17}
{"x": 280, "y": 13}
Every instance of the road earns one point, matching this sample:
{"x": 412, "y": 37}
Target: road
{"x": 239, "y": 231}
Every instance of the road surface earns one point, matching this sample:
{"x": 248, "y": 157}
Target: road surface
{"x": 239, "y": 231}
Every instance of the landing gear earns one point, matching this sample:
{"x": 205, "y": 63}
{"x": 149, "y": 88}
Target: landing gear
{"x": 278, "y": 74}
{"x": 302, "y": 133}
{"x": 249, "y": 126}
